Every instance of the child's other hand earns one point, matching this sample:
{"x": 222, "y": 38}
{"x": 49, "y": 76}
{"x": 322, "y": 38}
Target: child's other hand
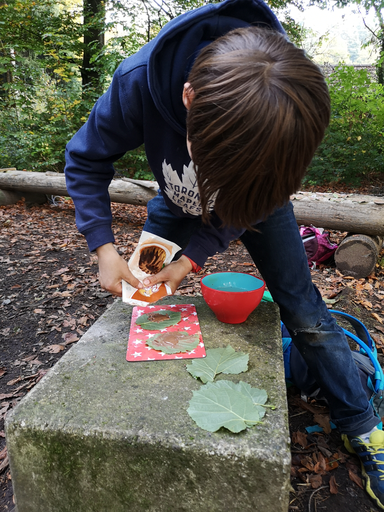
{"x": 172, "y": 274}
{"x": 113, "y": 269}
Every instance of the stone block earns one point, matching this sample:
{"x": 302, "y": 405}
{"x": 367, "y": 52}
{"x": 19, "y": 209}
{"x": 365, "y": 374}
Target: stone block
{"x": 99, "y": 434}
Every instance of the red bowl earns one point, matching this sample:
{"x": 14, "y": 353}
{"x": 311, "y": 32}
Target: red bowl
{"x": 232, "y": 296}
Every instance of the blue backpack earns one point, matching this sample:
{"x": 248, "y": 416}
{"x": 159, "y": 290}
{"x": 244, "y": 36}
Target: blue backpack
{"x": 371, "y": 374}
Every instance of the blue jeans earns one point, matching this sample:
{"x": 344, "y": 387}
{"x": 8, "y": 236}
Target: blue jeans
{"x": 278, "y": 252}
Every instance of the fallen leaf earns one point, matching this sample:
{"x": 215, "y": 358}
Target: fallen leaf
{"x": 70, "y": 337}
{"x": 3, "y": 453}
{"x": 70, "y": 323}
{"x": 5, "y": 395}
{"x": 333, "y": 485}
{"x": 321, "y": 466}
{"x": 14, "y": 381}
{"x": 315, "y": 481}
{"x": 341, "y": 457}
{"x": 307, "y": 462}
{"x": 60, "y": 271}
{"x": 4, "y": 464}
{"x": 323, "y": 421}
{"x": 83, "y": 320}
{"x": 39, "y": 311}
{"x": 377, "y": 317}
{"x": 300, "y": 438}
{"x": 366, "y": 304}
{"x": 355, "y": 478}
{"x": 53, "y": 349}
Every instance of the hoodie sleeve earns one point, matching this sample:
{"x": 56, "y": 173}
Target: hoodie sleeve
{"x": 114, "y": 127}
{"x": 209, "y": 240}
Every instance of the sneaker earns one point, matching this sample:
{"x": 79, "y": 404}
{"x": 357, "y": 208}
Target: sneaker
{"x": 371, "y": 455}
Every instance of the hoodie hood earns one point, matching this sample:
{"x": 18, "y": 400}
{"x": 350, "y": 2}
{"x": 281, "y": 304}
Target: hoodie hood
{"x": 179, "y": 42}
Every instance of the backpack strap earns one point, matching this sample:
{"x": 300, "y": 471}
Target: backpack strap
{"x": 378, "y": 376}
{"x": 360, "y": 329}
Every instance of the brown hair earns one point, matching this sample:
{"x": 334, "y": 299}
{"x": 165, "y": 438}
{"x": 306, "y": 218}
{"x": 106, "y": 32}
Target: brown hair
{"x": 259, "y": 112}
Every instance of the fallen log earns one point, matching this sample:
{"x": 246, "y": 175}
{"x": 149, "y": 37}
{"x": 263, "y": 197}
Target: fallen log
{"x": 343, "y": 212}
{"x": 357, "y": 255}
{"x": 135, "y": 192}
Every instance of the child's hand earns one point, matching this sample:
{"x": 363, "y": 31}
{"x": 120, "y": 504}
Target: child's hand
{"x": 112, "y": 269}
{"x": 172, "y": 274}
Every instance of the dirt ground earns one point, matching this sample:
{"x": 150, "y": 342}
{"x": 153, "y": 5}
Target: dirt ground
{"x": 49, "y": 296}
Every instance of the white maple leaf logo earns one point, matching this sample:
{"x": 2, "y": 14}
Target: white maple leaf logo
{"x": 184, "y": 192}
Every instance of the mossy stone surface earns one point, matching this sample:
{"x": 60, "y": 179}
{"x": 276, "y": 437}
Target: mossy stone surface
{"x": 104, "y": 435}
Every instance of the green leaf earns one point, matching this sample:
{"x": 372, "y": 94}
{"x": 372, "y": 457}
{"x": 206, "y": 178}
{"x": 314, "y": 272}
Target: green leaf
{"x": 223, "y": 404}
{"x": 173, "y": 342}
{"x": 218, "y": 360}
{"x": 154, "y": 322}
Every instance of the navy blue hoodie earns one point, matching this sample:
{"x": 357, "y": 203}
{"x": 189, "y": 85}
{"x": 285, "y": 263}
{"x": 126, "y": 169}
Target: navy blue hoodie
{"x": 144, "y": 105}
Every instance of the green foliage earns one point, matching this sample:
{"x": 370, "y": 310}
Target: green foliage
{"x": 353, "y": 147}
{"x": 226, "y": 404}
{"x": 218, "y": 360}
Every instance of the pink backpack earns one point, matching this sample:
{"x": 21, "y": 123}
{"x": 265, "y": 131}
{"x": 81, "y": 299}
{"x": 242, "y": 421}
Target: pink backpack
{"x": 317, "y": 245}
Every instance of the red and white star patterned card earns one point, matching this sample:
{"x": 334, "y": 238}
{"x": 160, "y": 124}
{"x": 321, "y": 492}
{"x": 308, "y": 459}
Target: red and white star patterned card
{"x": 138, "y": 350}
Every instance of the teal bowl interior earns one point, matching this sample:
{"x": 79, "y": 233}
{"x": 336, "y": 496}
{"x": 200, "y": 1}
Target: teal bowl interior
{"x": 232, "y": 282}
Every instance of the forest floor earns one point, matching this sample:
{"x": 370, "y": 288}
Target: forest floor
{"x": 50, "y": 295}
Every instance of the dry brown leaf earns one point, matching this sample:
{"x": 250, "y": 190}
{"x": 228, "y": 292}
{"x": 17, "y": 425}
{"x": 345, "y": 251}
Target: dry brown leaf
{"x": 307, "y": 462}
{"x": 70, "y": 337}
{"x": 333, "y": 485}
{"x": 377, "y": 317}
{"x": 355, "y": 478}
{"x": 39, "y": 311}
{"x": 5, "y": 395}
{"x": 323, "y": 421}
{"x": 3, "y": 453}
{"x": 14, "y": 381}
{"x": 53, "y": 349}
{"x": 83, "y": 320}
{"x": 2, "y": 371}
{"x": 4, "y": 464}
{"x": 366, "y": 304}
{"x": 321, "y": 465}
{"x": 300, "y": 438}
{"x": 340, "y": 456}
{"x": 331, "y": 463}
{"x": 315, "y": 481}
{"x": 61, "y": 271}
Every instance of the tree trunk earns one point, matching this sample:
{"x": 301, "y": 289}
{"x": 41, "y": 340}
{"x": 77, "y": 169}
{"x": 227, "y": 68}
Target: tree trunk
{"x": 344, "y": 212}
{"x": 93, "y": 12}
{"x": 357, "y": 255}
{"x": 120, "y": 191}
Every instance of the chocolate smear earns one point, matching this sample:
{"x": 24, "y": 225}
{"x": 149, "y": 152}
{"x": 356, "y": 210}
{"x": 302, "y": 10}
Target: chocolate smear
{"x": 158, "y": 317}
{"x": 171, "y": 339}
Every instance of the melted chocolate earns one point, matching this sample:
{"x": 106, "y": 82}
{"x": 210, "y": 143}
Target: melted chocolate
{"x": 158, "y": 317}
{"x": 171, "y": 339}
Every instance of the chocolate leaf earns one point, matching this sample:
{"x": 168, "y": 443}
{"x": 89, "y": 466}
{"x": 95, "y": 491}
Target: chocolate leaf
{"x": 174, "y": 342}
{"x": 223, "y": 404}
{"x": 218, "y": 360}
{"x": 158, "y": 320}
